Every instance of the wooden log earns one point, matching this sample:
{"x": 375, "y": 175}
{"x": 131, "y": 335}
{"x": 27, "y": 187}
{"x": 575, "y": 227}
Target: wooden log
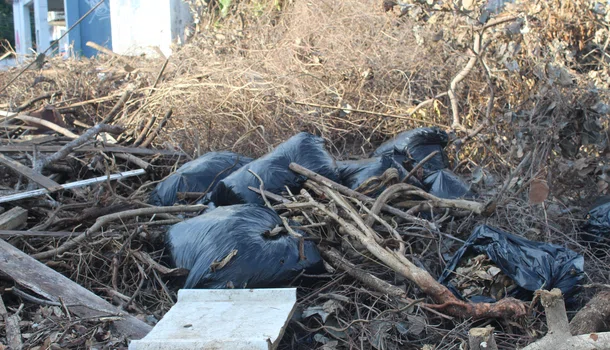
{"x": 13, "y": 218}
{"x": 482, "y": 339}
{"x": 48, "y": 283}
{"x": 29, "y": 173}
{"x": 594, "y": 317}
{"x": 559, "y": 337}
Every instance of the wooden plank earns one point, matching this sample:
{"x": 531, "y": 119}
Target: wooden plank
{"x": 13, "y": 218}
{"x": 119, "y": 149}
{"x": 46, "y": 282}
{"x": 29, "y": 173}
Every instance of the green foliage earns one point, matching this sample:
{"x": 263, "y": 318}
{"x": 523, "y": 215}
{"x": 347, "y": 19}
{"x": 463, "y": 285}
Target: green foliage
{"x": 6, "y": 23}
{"x": 225, "y": 6}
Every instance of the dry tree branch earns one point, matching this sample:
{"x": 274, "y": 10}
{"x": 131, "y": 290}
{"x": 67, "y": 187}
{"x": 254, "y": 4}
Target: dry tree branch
{"x": 559, "y": 336}
{"x": 351, "y": 193}
{"x": 508, "y": 307}
{"x": 103, "y": 220}
{"x": 69, "y": 147}
{"x": 456, "y": 124}
{"x": 48, "y": 124}
{"x": 419, "y": 165}
{"x": 154, "y": 133}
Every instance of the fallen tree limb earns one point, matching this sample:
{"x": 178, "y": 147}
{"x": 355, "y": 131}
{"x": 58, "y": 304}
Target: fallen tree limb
{"x": 48, "y": 124}
{"x": 36, "y": 99}
{"x": 593, "y": 317}
{"x": 124, "y": 97}
{"x": 377, "y": 284}
{"x": 48, "y": 283}
{"x": 349, "y": 192}
{"x": 80, "y": 140}
{"x": 103, "y": 220}
{"x": 505, "y": 308}
{"x": 155, "y": 132}
{"x": 559, "y": 337}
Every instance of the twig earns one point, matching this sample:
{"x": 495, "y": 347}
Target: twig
{"x": 145, "y": 131}
{"x": 152, "y": 135}
{"x": 102, "y": 49}
{"x": 398, "y": 262}
{"x": 36, "y": 99}
{"x": 349, "y": 192}
{"x": 268, "y": 194}
{"x": 147, "y": 259}
{"x": 159, "y": 75}
{"x": 370, "y": 112}
{"x": 135, "y": 160}
{"x": 493, "y": 203}
{"x": 84, "y": 103}
{"x": 48, "y": 124}
{"x": 67, "y": 149}
{"x": 456, "y": 124}
{"x": 426, "y": 102}
{"x": 33, "y": 299}
{"x": 261, "y": 188}
{"x": 103, "y": 220}
{"x": 419, "y": 165}
{"x": 118, "y": 105}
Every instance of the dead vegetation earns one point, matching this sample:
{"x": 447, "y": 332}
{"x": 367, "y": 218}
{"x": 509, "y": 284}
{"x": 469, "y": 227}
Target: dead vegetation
{"x": 524, "y": 96}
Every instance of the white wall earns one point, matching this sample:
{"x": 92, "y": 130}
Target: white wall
{"x": 139, "y": 25}
{"x": 43, "y": 32}
{"x": 23, "y": 32}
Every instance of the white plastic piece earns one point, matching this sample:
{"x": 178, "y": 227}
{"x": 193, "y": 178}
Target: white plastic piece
{"x": 219, "y": 319}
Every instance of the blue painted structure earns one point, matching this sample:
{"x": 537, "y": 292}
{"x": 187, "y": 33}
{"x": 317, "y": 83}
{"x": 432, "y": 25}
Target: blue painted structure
{"x": 96, "y": 27}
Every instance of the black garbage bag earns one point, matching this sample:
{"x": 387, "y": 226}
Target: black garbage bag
{"x": 445, "y": 184}
{"x": 304, "y": 149}
{"x": 201, "y": 243}
{"x": 354, "y": 173}
{"x": 597, "y": 225}
{"x": 414, "y": 145}
{"x": 531, "y": 265}
{"x": 199, "y": 175}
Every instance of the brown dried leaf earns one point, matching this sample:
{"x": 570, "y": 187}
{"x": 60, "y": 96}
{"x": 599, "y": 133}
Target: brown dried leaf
{"x": 539, "y": 191}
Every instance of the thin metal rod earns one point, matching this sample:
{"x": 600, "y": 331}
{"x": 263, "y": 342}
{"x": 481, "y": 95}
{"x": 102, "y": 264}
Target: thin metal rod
{"x": 71, "y": 185}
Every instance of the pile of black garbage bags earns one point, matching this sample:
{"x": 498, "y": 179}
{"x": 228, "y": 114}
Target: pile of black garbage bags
{"x": 237, "y": 243}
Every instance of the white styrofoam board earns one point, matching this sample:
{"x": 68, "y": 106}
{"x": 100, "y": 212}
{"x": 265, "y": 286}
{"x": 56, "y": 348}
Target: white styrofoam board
{"x": 235, "y": 319}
